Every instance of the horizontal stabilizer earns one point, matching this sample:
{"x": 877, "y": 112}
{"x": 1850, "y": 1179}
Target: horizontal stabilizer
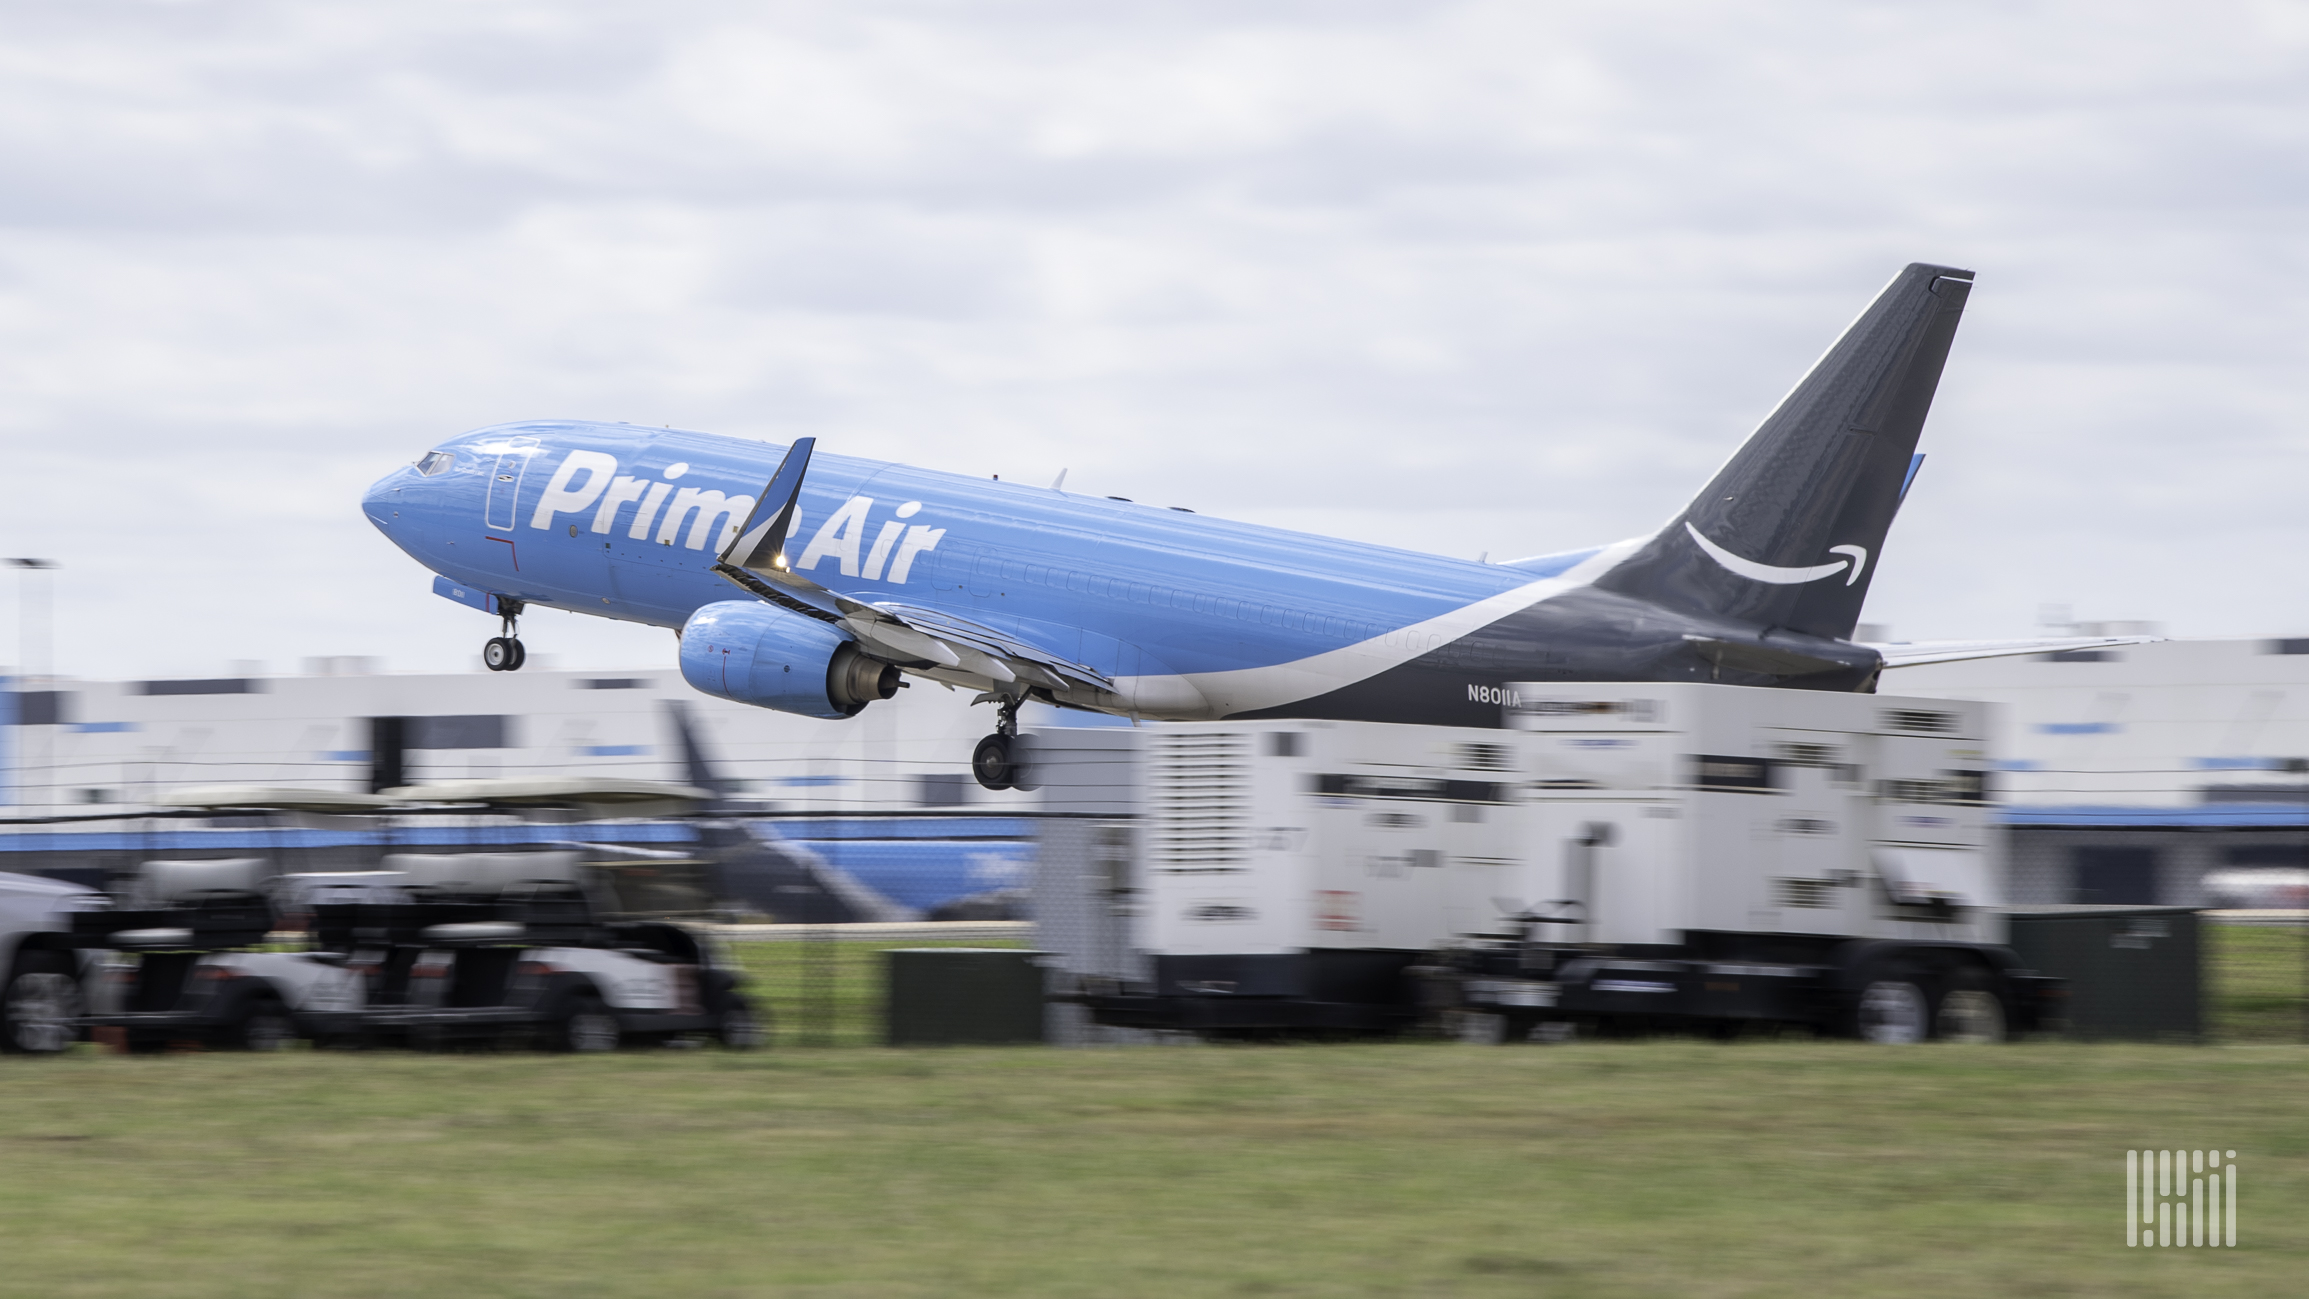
{"x": 1915, "y": 653}
{"x": 1771, "y": 660}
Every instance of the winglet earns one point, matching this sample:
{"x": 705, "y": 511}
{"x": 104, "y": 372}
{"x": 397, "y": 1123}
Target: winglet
{"x": 761, "y": 544}
{"x": 756, "y": 561}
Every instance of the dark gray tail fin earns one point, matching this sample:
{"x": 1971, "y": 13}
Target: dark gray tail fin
{"x": 1788, "y": 533}
{"x": 697, "y": 768}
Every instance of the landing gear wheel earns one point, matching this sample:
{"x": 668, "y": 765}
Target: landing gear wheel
{"x": 991, "y": 763}
{"x": 996, "y": 761}
{"x": 39, "y": 1006}
{"x": 1892, "y": 1012}
{"x": 504, "y": 653}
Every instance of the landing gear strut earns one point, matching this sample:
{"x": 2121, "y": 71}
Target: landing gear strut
{"x": 995, "y": 761}
{"x": 505, "y": 653}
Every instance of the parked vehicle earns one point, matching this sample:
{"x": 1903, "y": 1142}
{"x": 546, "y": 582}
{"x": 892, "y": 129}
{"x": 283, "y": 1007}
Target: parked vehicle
{"x": 549, "y": 947}
{"x": 511, "y": 948}
{"x": 40, "y": 969}
{"x": 181, "y": 964}
{"x": 1619, "y": 857}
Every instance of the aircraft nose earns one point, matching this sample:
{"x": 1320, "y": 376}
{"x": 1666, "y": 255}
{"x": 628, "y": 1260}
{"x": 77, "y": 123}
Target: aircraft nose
{"x": 382, "y": 502}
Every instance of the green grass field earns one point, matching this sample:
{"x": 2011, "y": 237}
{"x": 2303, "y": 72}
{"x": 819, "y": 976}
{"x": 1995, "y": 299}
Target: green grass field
{"x": 1597, "y": 1170}
{"x": 2253, "y": 983}
{"x": 2254, "y": 979}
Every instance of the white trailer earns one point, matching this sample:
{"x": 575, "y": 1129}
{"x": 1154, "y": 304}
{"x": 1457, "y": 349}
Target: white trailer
{"x": 1289, "y": 871}
{"x": 1726, "y": 854}
{"x": 1617, "y": 855}
{"x": 1657, "y": 811}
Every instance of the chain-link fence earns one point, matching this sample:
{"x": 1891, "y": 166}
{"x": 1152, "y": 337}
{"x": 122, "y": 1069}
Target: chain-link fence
{"x": 809, "y": 905}
{"x": 806, "y": 905}
{"x": 1068, "y": 876}
{"x": 2257, "y": 976}
{"x": 824, "y": 985}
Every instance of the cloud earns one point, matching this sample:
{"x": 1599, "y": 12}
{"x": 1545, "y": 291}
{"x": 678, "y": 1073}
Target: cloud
{"x": 1461, "y": 277}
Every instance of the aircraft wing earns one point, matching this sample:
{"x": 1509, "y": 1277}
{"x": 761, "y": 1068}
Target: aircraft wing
{"x": 914, "y": 634}
{"x": 903, "y": 634}
{"x": 1913, "y": 653}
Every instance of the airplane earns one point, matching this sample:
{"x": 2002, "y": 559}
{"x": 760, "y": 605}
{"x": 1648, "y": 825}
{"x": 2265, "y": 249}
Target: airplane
{"x": 816, "y": 584}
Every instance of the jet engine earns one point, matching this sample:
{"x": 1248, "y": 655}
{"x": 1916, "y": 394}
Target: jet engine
{"x": 762, "y": 655}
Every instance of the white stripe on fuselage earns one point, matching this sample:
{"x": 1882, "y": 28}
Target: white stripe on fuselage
{"x": 1204, "y": 696}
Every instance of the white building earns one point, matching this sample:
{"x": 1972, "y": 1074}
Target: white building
{"x": 89, "y": 744}
{"x": 2131, "y": 774}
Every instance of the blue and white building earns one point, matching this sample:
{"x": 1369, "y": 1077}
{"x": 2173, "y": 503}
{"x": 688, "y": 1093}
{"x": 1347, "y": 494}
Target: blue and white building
{"x": 2175, "y": 772}
{"x": 2134, "y": 774}
{"x": 80, "y": 758}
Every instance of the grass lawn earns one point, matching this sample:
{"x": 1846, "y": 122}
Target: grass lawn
{"x": 2254, "y": 977}
{"x": 2253, "y": 982}
{"x": 1596, "y": 1170}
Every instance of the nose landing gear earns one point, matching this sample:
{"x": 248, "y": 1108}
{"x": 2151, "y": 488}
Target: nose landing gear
{"x": 505, "y": 653}
{"x": 995, "y": 761}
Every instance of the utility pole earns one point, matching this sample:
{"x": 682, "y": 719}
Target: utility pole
{"x": 33, "y": 668}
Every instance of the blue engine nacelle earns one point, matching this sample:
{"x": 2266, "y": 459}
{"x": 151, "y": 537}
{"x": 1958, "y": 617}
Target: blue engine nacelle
{"x": 762, "y": 655}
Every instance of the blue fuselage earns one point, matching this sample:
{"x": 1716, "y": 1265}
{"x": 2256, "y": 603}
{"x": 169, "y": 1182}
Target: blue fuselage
{"x": 1194, "y": 616}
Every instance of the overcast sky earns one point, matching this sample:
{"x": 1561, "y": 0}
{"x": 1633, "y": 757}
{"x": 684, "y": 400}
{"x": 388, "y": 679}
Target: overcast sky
{"x": 1458, "y": 277}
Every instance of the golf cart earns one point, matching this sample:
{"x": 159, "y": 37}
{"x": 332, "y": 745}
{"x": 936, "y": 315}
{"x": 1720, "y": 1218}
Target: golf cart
{"x": 512, "y": 948}
{"x": 571, "y": 948}
{"x": 180, "y": 964}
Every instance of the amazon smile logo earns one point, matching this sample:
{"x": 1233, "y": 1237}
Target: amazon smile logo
{"x": 1857, "y": 560}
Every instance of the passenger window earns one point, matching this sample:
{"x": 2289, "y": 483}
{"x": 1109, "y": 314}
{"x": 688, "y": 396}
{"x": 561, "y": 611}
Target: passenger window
{"x": 434, "y": 462}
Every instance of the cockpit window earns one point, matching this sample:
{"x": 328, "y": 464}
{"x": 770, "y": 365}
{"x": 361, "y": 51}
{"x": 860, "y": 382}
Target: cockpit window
{"x": 434, "y": 462}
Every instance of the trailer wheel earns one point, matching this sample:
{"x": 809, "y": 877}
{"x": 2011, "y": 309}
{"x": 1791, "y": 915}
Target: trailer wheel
{"x": 1892, "y": 1011}
{"x": 259, "y": 1023}
{"x": 738, "y": 1028}
{"x": 1480, "y": 1028}
{"x": 583, "y": 1026}
{"x": 40, "y": 1005}
{"x": 1970, "y": 1012}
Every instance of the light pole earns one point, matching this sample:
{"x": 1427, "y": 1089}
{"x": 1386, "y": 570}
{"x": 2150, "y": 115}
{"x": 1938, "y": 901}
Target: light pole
{"x": 32, "y": 668}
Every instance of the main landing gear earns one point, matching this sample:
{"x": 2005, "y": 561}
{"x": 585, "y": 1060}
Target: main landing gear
{"x": 995, "y": 761}
{"x": 505, "y": 653}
